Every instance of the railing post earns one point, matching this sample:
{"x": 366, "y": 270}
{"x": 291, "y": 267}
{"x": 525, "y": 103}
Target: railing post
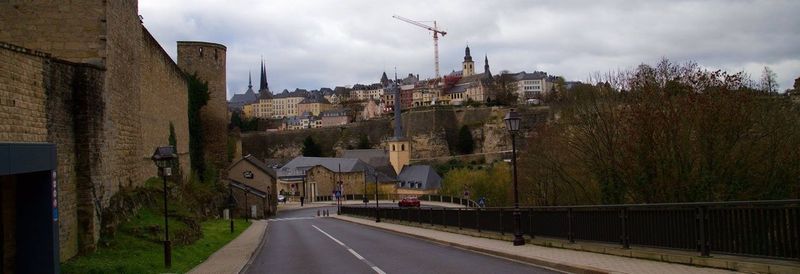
{"x": 502, "y": 229}
{"x": 458, "y": 213}
{"x": 530, "y": 221}
{"x": 478, "y": 219}
{"x": 431, "y": 215}
{"x": 623, "y": 215}
{"x": 444, "y": 217}
{"x": 703, "y": 242}
{"x": 569, "y": 226}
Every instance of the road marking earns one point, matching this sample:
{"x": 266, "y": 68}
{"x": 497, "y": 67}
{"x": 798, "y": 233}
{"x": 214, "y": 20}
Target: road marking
{"x": 370, "y": 264}
{"x": 290, "y": 219}
{"x": 355, "y": 254}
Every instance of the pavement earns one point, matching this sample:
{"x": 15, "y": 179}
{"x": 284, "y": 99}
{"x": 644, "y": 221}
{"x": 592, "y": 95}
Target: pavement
{"x": 343, "y": 244}
{"x": 235, "y": 255}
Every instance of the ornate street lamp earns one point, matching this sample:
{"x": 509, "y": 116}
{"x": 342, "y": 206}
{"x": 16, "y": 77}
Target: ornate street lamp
{"x": 512, "y": 120}
{"x": 165, "y": 158}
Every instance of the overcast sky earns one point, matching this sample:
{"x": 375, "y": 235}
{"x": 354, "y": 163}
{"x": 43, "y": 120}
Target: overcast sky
{"x": 312, "y": 44}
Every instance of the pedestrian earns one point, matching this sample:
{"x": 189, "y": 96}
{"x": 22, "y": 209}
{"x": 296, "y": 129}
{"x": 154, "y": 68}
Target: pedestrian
{"x": 482, "y": 202}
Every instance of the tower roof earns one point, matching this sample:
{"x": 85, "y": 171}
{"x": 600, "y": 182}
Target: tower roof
{"x": 467, "y": 57}
{"x": 264, "y": 86}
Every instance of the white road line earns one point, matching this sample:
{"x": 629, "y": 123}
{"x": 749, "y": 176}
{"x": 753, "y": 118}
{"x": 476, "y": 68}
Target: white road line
{"x": 355, "y": 254}
{"x": 329, "y": 236}
{"x": 378, "y": 270}
{"x": 370, "y": 264}
{"x": 290, "y": 219}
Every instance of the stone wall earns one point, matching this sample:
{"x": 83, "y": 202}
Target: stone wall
{"x": 72, "y": 31}
{"x": 207, "y": 61}
{"x": 164, "y": 99}
{"x": 106, "y": 114}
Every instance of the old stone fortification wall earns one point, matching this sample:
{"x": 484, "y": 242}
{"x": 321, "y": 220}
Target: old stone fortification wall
{"x": 105, "y": 117}
{"x": 433, "y": 132}
{"x": 207, "y": 61}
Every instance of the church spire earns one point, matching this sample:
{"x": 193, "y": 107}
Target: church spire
{"x": 467, "y": 57}
{"x": 249, "y": 80}
{"x": 264, "y": 86}
{"x": 486, "y": 64}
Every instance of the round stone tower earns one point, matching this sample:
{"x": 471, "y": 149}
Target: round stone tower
{"x": 207, "y": 61}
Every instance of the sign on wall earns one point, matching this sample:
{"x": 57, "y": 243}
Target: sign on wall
{"x": 248, "y": 174}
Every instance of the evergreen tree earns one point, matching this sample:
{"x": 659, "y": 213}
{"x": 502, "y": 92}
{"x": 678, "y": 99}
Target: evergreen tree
{"x": 465, "y": 142}
{"x": 311, "y": 148}
{"x": 363, "y": 142}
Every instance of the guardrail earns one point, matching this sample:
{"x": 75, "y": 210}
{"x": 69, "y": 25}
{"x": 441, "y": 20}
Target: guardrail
{"x": 768, "y": 229}
{"x": 392, "y": 196}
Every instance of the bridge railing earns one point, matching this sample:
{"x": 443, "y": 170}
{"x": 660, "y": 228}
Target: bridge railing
{"x": 768, "y": 229}
{"x": 396, "y": 197}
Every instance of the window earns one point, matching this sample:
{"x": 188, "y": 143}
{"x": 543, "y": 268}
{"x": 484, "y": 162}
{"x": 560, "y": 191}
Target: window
{"x": 402, "y": 147}
{"x": 393, "y": 149}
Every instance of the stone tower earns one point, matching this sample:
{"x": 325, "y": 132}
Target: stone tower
{"x": 468, "y": 67}
{"x": 399, "y": 146}
{"x": 207, "y": 61}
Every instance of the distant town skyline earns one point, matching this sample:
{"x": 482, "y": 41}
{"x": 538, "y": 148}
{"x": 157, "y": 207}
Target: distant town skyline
{"x": 313, "y": 44}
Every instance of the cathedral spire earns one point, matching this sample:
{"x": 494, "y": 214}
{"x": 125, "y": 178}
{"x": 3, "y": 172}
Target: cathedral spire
{"x": 264, "y": 86}
{"x": 249, "y": 80}
{"x": 486, "y": 64}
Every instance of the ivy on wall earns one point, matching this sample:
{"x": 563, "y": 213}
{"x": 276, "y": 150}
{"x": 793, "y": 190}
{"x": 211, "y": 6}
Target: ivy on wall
{"x": 198, "y": 97}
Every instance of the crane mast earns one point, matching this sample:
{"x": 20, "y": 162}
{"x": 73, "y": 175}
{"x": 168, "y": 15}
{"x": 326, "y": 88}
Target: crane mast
{"x": 436, "y": 32}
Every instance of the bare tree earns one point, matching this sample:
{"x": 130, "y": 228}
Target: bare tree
{"x": 769, "y": 81}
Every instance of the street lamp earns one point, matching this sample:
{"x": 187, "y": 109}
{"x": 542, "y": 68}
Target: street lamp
{"x": 365, "y": 200}
{"x": 231, "y": 204}
{"x": 377, "y": 206}
{"x": 165, "y": 158}
{"x": 512, "y": 120}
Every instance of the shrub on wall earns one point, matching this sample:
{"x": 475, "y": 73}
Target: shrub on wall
{"x": 198, "y": 97}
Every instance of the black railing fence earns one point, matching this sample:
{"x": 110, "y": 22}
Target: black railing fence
{"x": 391, "y": 196}
{"x": 756, "y": 228}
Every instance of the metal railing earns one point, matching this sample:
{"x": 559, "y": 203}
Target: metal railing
{"x": 768, "y": 229}
{"x": 397, "y": 197}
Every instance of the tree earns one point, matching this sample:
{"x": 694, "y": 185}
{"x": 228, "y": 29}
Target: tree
{"x": 465, "y": 143}
{"x": 311, "y": 148}
{"x": 198, "y": 97}
{"x": 504, "y": 89}
{"x": 769, "y": 81}
{"x": 363, "y": 142}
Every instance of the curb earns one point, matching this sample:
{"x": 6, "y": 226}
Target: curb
{"x": 257, "y": 250}
{"x": 535, "y": 261}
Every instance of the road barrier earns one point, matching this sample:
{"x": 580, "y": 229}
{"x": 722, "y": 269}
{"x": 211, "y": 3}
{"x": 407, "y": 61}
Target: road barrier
{"x": 397, "y": 197}
{"x": 769, "y": 229}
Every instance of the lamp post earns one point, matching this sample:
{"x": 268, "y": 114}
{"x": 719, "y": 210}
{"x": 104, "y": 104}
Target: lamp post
{"x": 512, "y": 120}
{"x": 377, "y": 206}
{"x": 231, "y": 204}
{"x": 303, "y": 195}
{"x": 165, "y": 158}
{"x": 365, "y": 189}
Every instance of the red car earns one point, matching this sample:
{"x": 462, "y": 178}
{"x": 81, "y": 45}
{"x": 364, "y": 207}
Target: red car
{"x": 409, "y": 202}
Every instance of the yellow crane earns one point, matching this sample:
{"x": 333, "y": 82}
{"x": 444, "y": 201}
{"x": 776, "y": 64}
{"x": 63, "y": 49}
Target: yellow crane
{"x": 436, "y": 31}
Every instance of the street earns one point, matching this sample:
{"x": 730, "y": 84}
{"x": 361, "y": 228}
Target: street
{"x": 298, "y": 242}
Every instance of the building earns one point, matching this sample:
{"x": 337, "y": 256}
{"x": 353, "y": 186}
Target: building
{"x": 529, "y": 85}
{"x": 284, "y": 104}
{"x": 251, "y": 177}
{"x": 465, "y": 85}
{"x": 314, "y": 105}
{"x": 418, "y": 180}
{"x": 238, "y": 101}
{"x": 335, "y": 117}
{"x": 317, "y": 176}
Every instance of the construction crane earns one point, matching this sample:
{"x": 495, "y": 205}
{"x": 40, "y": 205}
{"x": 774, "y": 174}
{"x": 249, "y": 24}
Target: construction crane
{"x": 436, "y": 31}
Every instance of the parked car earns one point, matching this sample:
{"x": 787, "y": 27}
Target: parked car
{"x": 281, "y": 198}
{"x": 409, "y": 202}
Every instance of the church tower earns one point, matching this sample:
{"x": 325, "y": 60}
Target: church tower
{"x": 467, "y": 67}
{"x": 264, "y": 86}
{"x": 399, "y": 146}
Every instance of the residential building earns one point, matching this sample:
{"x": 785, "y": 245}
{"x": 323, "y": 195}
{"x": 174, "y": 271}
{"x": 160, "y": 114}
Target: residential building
{"x": 284, "y": 104}
{"x": 529, "y": 85}
{"x": 253, "y": 177}
{"x": 335, "y": 117}
{"x": 314, "y": 105}
{"x": 418, "y": 180}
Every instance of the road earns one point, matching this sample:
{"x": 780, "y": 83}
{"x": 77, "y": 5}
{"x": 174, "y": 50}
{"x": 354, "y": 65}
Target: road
{"x": 298, "y": 242}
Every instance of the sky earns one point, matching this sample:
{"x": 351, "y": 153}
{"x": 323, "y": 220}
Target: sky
{"x": 312, "y": 44}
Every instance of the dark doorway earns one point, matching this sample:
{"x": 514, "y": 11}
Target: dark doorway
{"x": 28, "y": 208}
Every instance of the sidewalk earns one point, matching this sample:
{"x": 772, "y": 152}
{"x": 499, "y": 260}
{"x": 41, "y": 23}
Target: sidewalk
{"x": 561, "y": 259}
{"x": 235, "y": 255}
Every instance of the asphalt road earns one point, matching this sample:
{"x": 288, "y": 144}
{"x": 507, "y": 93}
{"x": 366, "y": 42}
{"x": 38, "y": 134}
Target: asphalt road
{"x": 298, "y": 242}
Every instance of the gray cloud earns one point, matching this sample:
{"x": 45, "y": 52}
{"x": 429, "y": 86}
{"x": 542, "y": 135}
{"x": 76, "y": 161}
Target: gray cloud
{"x": 312, "y": 44}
